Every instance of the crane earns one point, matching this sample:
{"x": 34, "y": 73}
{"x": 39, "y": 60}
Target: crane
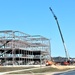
{"x": 66, "y": 52}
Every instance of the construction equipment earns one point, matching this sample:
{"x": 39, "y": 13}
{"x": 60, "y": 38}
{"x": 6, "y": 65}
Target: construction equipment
{"x": 66, "y": 52}
{"x": 49, "y": 63}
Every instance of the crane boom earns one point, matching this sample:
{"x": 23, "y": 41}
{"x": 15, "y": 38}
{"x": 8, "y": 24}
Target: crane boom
{"x": 66, "y": 52}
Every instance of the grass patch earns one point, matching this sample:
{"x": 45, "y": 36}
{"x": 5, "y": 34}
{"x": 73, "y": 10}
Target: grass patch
{"x": 6, "y": 69}
{"x": 40, "y": 70}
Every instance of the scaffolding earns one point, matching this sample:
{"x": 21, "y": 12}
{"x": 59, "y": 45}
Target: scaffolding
{"x": 18, "y": 48}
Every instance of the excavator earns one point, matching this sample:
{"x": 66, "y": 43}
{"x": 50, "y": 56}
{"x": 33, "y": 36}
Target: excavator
{"x": 67, "y": 61}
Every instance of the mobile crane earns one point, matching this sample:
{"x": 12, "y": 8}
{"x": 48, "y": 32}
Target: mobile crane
{"x": 67, "y": 62}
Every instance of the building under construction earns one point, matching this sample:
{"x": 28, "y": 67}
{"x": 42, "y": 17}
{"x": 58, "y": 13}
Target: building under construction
{"x": 18, "y": 48}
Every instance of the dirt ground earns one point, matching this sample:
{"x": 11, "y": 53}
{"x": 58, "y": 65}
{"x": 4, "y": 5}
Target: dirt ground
{"x": 62, "y": 67}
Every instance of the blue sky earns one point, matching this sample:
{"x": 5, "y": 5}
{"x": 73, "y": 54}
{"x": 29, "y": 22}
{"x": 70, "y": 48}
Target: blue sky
{"x": 34, "y": 17}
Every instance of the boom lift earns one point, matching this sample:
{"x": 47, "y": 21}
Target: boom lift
{"x": 66, "y": 52}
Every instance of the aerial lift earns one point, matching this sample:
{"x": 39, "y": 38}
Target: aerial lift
{"x": 67, "y": 62}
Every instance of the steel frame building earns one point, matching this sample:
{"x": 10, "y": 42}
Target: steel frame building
{"x": 18, "y": 48}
